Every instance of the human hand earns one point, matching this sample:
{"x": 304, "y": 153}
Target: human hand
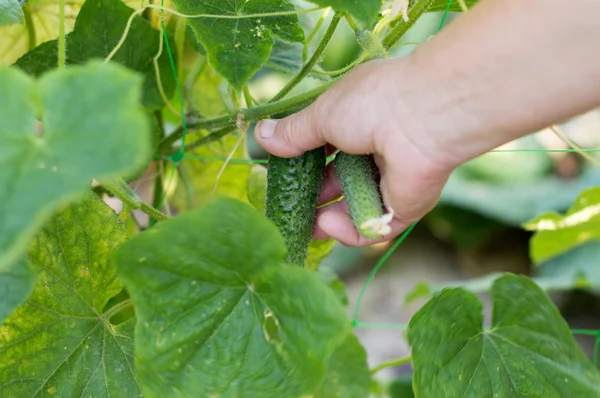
{"x": 366, "y": 112}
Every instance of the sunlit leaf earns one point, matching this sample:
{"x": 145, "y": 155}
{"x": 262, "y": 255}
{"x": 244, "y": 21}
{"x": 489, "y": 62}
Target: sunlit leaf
{"x": 10, "y": 12}
{"x": 556, "y": 234}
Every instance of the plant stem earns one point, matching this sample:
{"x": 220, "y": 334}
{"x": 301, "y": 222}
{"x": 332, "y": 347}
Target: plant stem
{"x": 249, "y": 114}
{"x": 158, "y": 188}
{"x": 313, "y": 33}
{"x": 121, "y": 190}
{"x": 463, "y": 5}
{"x": 180, "y": 27}
{"x": 392, "y": 363}
{"x": 114, "y": 310}
{"x": 351, "y": 22}
{"x": 30, "y": 27}
{"x": 250, "y": 101}
{"x": 413, "y": 15}
{"x": 62, "y": 47}
{"x": 316, "y": 57}
{"x": 277, "y": 106}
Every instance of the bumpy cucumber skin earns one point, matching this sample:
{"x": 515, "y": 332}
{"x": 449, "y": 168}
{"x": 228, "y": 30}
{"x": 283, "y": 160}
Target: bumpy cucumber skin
{"x": 359, "y": 177}
{"x": 293, "y": 187}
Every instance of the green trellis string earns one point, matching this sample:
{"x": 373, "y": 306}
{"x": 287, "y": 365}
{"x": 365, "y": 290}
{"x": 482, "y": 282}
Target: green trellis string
{"x": 180, "y": 155}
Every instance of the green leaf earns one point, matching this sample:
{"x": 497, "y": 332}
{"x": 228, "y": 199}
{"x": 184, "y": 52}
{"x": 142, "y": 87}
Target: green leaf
{"x": 332, "y": 280}
{"x": 401, "y": 388}
{"x": 442, "y": 5}
{"x": 238, "y": 46}
{"x": 85, "y": 112}
{"x": 347, "y": 372}
{"x": 227, "y": 317}
{"x": 10, "y": 12}
{"x": 59, "y": 342}
{"x": 94, "y": 38}
{"x": 558, "y": 234}
{"x": 16, "y": 284}
{"x": 529, "y": 350}
{"x": 363, "y": 10}
{"x": 285, "y": 57}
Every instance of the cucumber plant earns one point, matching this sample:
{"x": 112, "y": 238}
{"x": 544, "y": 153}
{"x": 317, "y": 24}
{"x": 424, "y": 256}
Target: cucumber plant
{"x": 142, "y": 255}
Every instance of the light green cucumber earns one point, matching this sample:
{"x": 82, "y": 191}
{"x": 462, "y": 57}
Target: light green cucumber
{"x": 359, "y": 177}
{"x": 293, "y": 187}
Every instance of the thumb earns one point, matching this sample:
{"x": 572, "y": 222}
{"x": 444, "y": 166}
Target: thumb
{"x": 291, "y": 136}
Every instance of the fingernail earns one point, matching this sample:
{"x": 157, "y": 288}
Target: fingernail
{"x": 266, "y": 128}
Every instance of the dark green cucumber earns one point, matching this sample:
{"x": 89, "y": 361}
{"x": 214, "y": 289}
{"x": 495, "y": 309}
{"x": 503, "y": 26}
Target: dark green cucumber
{"x": 293, "y": 187}
{"x": 359, "y": 177}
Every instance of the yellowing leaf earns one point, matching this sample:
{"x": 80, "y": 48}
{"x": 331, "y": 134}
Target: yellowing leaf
{"x": 59, "y": 342}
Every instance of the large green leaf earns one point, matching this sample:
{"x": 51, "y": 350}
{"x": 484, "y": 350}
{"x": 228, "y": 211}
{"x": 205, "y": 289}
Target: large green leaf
{"x": 557, "y": 233}
{"x": 59, "y": 343}
{"x": 99, "y": 26}
{"x": 16, "y": 284}
{"x": 10, "y": 12}
{"x": 92, "y": 126}
{"x": 347, "y": 372}
{"x": 442, "y": 5}
{"x": 529, "y": 350}
{"x": 238, "y": 45}
{"x": 218, "y": 311}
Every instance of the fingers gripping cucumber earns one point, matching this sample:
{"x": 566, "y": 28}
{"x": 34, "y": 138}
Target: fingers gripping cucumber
{"x": 293, "y": 187}
{"x": 358, "y": 175}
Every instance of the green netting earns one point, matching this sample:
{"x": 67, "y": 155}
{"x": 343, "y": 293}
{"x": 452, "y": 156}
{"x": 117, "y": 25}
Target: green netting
{"x": 180, "y": 155}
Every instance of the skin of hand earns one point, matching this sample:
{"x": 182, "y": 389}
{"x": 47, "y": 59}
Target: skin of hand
{"x": 503, "y": 70}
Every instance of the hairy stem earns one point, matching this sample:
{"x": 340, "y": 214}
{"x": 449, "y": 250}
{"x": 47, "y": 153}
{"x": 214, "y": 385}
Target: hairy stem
{"x": 392, "y": 363}
{"x": 249, "y": 115}
{"x": 413, "y": 15}
{"x": 121, "y": 190}
{"x": 316, "y": 57}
